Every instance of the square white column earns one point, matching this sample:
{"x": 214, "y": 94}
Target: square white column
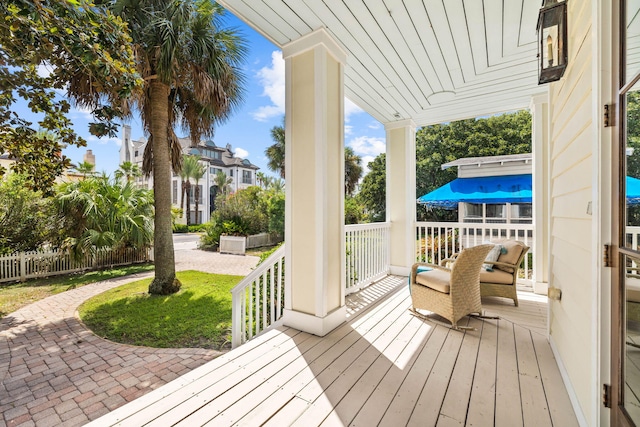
{"x": 401, "y": 194}
{"x": 314, "y": 165}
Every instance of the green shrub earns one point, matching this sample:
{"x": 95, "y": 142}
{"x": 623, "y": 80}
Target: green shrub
{"x": 180, "y": 228}
{"x": 210, "y": 240}
{"x": 197, "y": 228}
{"x": 268, "y": 253}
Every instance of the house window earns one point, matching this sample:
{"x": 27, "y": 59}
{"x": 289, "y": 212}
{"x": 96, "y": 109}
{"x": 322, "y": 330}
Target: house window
{"x": 135, "y": 153}
{"x": 214, "y": 171}
{"x": 192, "y": 194}
{"x": 496, "y": 213}
{"x": 175, "y": 192}
{"x": 231, "y": 173}
{"x": 246, "y": 177}
{"x": 472, "y": 212}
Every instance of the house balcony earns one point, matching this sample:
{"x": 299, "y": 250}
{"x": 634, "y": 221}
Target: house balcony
{"x": 383, "y": 366}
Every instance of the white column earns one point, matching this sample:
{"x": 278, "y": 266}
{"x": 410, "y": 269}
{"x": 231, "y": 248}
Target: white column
{"x": 401, "y": 193}
{"x": 541, "y": 191}
{"x": 314, "y": 165}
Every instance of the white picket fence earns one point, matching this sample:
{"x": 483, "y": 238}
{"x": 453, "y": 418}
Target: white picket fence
{"x": 21, "y": 266}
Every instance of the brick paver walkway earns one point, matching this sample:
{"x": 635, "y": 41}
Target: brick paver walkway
{"x": 53, "y": 371}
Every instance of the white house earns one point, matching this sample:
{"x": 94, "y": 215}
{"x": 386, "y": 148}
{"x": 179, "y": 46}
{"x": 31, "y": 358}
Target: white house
{"x": 413, "y": 63}
{"x": 216, "y": 159}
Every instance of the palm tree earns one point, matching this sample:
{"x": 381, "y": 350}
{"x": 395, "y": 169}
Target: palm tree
{"x": 189, "y": 166}
{"x": 128, "y": 171}
{"x": 352, "y": 170}
{"x": 198, "y": 173}
{"x": 192, "y": 76}
{"x": 85, "y": 169}
{"x": 275, "y": 152}
{"x": 223, "y": 182}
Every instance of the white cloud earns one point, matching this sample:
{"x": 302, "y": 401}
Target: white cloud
{"x": 104, "y": 140}
{"x": 272, "y": 80}
{"x": 349, "y": 109}
{"x": 365, "y": 164}
{"x": 374, "y": 125}
{"x": 45, "y": 69}
{"x": 366, "y": 145}
{"x": 348, "y": 130}
{"x": 83, "y": 113}
{"x": 241, "y": 152}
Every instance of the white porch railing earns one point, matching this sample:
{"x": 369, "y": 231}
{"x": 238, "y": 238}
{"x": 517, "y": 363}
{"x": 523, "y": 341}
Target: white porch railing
{"x": 21, "y": 266}
{"x": 436, "y": 241}
{"x": 258, "y": 300}
{"x": 367, "y": 250}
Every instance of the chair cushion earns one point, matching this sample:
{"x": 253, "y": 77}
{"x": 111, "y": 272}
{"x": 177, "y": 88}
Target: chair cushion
{"x": 437, "y": 280}
{"x": 514, "y": 250}
{"x": 493, "y": 255}
{"x": 496, "y": 276}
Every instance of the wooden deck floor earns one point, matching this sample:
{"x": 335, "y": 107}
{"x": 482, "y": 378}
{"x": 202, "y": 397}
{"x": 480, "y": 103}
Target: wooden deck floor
{"x": 384, "y": 367}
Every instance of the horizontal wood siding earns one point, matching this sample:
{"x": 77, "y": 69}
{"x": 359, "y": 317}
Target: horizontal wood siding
{"x": 572, "y": 174}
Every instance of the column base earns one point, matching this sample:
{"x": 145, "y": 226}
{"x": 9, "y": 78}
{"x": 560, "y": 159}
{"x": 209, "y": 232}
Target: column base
{"x": 540, "y": 288}
{"x": 315, "y": 325}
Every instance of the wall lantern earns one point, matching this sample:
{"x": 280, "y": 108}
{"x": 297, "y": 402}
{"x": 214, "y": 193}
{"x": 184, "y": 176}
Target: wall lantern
{"x": 552, "y": 39}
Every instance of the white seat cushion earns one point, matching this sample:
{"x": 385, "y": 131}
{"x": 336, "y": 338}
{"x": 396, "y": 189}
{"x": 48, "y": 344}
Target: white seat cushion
{"x": 437, "y": 280}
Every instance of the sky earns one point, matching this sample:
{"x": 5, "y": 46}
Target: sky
{"x": 248, "y": 130}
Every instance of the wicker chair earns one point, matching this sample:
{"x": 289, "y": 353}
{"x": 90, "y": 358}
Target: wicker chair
{"x": 501, "y": 282}
{"x": 451, "y": 293}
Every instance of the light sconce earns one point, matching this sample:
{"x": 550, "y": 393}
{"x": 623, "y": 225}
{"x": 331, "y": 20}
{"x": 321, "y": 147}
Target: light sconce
{"x": 552, "y": 39}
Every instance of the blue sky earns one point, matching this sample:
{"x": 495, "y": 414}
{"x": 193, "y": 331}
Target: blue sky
{"x": 248, "y": 131}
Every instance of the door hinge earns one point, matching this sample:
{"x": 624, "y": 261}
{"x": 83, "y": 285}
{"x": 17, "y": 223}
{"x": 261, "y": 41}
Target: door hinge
{"x": 609, "y": 114}
{"x": 606, "y": 256}
{"x": 606, "y": 395}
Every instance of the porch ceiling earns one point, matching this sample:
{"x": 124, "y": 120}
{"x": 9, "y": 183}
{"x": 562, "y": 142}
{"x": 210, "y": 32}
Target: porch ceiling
{"x": 430, "y": 61}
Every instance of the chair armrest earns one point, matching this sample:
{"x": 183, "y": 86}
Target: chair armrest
{"x": 451, "y": 259}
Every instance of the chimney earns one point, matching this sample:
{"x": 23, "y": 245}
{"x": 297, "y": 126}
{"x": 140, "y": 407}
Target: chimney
{"x": 90, "y": 158}
{"x": 125, "y": 148}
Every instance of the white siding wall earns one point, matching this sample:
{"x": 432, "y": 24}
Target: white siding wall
{"x": 572, "y": 175}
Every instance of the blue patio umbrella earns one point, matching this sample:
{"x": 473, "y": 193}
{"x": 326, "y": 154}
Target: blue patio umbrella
{"x": 498, "y": 190}
{"x": 485, "y": 189}
{"x": 633, "y": 191}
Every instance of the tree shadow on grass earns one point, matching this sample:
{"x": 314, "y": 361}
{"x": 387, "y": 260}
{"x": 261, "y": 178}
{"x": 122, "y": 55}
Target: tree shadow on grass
{"x": 176, "y": 321}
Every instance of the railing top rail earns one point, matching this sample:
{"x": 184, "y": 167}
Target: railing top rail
{"x": 368, "y": 226}
{"x": 259, "y": 270}
{"x": 475, "y": 225}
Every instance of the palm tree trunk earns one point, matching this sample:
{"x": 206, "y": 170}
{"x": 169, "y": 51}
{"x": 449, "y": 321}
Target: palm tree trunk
{"x": 197, "y": 196}
{"x": 165, "y": 281}
{"x": 184, "y": 190}
{"x": 188, "y": 204}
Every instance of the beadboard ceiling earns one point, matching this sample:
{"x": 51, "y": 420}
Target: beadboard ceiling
{"x": 427, "y": 60}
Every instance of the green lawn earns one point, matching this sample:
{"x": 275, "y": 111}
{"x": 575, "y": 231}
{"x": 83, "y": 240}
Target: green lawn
{"x": 17, "y": 295}
{"x": 199, "y": 315}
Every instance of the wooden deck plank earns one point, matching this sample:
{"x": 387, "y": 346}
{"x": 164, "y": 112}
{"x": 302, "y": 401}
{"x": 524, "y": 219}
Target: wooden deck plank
{"x": 535, "y": 411}
{"x": 428, "y": 406}
{"x": 355, "y": 398}
{"x": 378, "y": 402}
{"x": 558, "y": 400}
{"x": 205, "y": 392}
{"x": 482, "y": 400}
{"x": 404, "y": 401}
{"x": 331, "y": 386}
{"x": 145, "y": 406}
{"x": 456, "y": 400}
{"x": 508, "y": 404}
{"x": 382, "y": 367}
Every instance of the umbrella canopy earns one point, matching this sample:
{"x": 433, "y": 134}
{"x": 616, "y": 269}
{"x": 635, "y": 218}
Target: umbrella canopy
{"x": 633, "y": 191}
{"x": 498, "y": 190}
{"x": 485, "y": 189}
